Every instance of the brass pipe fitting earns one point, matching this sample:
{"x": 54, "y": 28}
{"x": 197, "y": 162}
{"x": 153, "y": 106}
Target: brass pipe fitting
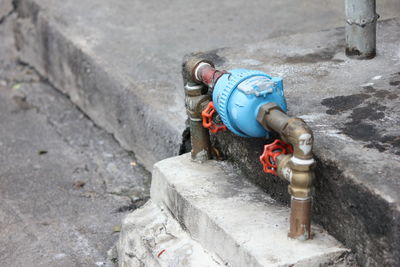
{"x": 196, "y": 99}
{"x": 190, "y": 66}
{"x": 201, "y": 76}
{"x": 301, "y": 184}
{"x": 300, "y": 177}
{"x": 272, "y": 118}
{"x": 201, "y": 71}
{"x": 292, "y": 130}
{"x": 297, "y": 168}
{"x": 299, "y": 135}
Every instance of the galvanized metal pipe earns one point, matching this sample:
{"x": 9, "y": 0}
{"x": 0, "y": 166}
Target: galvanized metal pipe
{"x": 361, "y": 20}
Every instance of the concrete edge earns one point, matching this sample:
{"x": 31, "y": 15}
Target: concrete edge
{"x": 107, "y": 99}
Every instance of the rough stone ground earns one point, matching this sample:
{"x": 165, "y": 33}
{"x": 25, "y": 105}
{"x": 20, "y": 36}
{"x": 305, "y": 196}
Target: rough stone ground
{"x": 64, "y": 183}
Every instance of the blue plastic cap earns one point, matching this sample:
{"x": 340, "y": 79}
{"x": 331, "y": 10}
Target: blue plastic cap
{"x": 240, "y": 93}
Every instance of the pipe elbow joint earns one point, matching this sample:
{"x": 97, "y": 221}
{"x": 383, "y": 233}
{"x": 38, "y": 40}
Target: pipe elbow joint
{"x": 190, "y": 65}
{"x": 300, "y": 136}
{"x": 292, "y": 130}
{"x": 198, "y": 69}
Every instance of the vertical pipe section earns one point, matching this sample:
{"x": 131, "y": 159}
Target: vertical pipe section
{"x": 200, "y": 139}
{"x": 196, "y": 99}
{"x": 361, "y": 28}
{"x": 300, "y": 218}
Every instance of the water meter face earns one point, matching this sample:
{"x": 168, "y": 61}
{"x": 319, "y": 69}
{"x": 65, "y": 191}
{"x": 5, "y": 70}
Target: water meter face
{"x": 257, "y": 85}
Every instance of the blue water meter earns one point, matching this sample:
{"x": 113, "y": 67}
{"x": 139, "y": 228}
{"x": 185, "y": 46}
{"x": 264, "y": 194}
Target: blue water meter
{"x": 238, "y": 95}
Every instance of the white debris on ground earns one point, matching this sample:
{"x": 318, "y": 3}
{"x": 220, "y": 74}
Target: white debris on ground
{"x": 150, "y": 236}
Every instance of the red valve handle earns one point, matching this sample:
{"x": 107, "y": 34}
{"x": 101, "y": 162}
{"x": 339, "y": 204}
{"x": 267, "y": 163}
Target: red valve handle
{"x": 208, "y": 122}
{"x": 271, "y": 153}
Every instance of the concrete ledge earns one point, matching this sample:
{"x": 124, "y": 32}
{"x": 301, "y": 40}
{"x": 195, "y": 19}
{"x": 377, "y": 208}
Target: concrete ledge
{"x": 140, "y": 112}
{"x": 233, "y": 218}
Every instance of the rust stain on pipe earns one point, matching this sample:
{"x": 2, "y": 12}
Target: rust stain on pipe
{"x": 207, "y": 74}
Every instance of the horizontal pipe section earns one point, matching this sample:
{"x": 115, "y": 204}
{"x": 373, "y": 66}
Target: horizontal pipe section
{"x": 207, "y": 74}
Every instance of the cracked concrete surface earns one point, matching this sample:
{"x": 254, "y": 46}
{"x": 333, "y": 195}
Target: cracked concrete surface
{"x": 65, "y": 184}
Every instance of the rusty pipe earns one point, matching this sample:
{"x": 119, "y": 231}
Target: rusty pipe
{"x": 197, "y": 69}
{"x": 297, "y": 168}
{"x": 207, "y": 74}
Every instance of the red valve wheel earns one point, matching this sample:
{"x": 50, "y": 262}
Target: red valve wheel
{"x": 271, "y": 153}
{"x": 208, "y": 122}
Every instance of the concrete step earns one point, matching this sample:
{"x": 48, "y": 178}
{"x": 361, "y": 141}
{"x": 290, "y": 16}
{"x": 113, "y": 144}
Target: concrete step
{"x": 235, "y": 219}
{"x": 150, "y": 236}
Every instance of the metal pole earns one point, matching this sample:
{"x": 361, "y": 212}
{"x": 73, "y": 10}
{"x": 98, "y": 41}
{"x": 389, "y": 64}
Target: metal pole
{"x": 361, "y": 28}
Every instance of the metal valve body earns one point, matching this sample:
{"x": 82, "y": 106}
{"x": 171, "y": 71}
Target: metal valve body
{"x": 238, "y": 95}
